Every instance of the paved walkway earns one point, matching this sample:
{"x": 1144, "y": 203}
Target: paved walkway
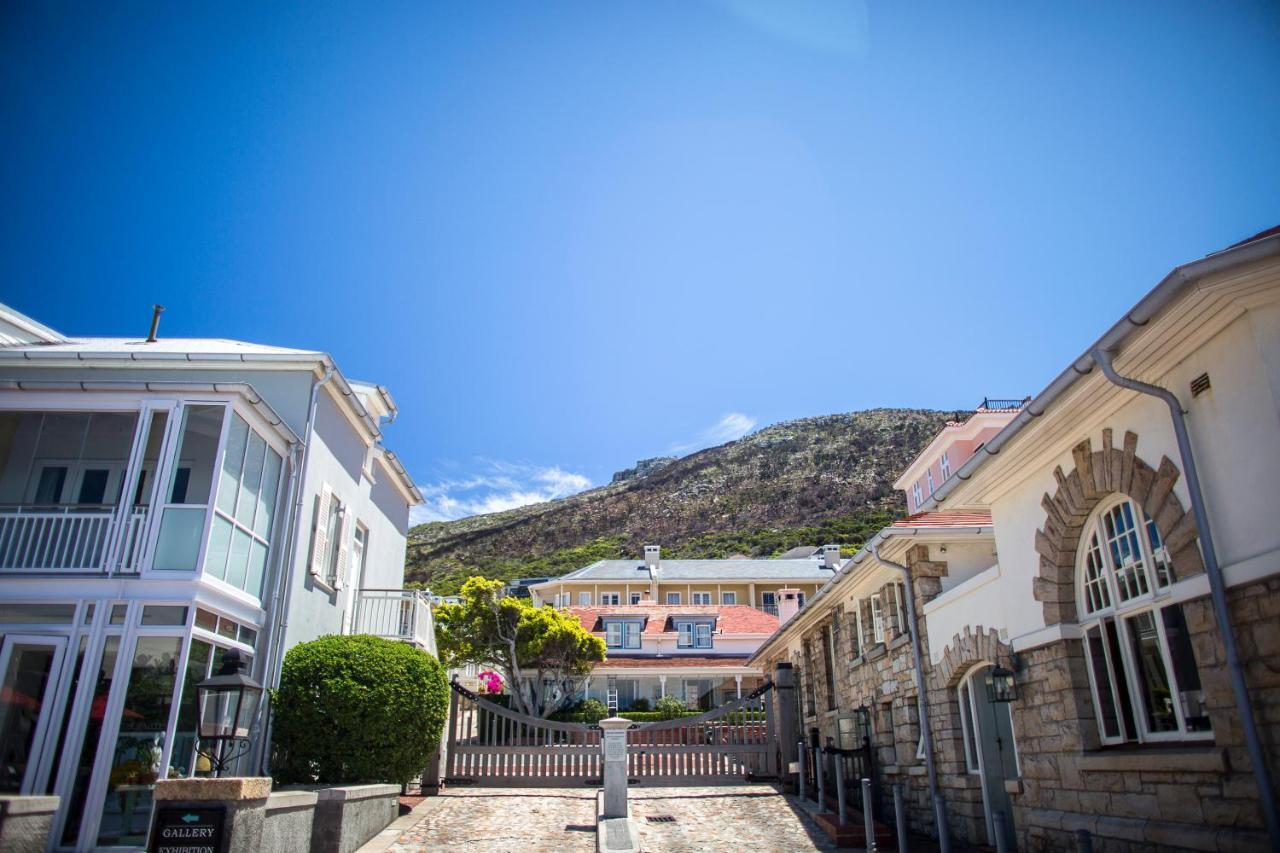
{"x": 562, "y": 820}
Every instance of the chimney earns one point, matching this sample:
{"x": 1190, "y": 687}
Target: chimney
{"x": 156, "y": 311}
{"x": 788, "y": 605}
{"x": 831, "y": 556}
{"x": 653, "y": 556}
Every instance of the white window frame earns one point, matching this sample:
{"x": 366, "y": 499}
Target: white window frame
{"x": 673, "y": 598}
{"x": 917, "y": 494}
{"x": 929, "y": 476}
{"x": 1098, "y": 598}
{"x": 702, "y": 635}
{"x": 701, "y": 598}
{"x": 584, "y": 599}
{"x": 610, "y": 599}
{"x": 769, "y": 599}
{"x": 968, "y": 724}
{"x": 877, "y": 617}
{"x": 944, "y": 465}
{"x": 635, "y": 598}
{"x": 728, "y": 598}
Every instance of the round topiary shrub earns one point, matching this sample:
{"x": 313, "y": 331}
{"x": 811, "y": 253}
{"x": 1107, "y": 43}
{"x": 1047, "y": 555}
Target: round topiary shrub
{"x": 669, "y": 707}
{"x": 591, "y": 710}
{"x": 357, "y": 709}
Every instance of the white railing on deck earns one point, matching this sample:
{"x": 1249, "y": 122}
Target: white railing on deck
{"x": 62, "y": 538}
{"x": 397, "y": 614}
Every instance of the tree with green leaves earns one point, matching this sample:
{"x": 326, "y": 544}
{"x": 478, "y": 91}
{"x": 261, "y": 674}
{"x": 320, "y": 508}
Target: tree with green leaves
{"x": 543, "y": 654}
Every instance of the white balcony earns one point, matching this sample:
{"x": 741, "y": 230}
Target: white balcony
{"x": 70, "y": 538}
{"x": 396, "y": 614}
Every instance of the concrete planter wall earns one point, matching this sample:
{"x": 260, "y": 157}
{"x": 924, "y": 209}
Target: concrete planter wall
{"x": 347, "y": 817}
{"x": 25, "y": 823}
{"x": 289, "y": 817}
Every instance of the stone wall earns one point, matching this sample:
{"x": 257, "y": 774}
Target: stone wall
{"x": 1190, "y": 795}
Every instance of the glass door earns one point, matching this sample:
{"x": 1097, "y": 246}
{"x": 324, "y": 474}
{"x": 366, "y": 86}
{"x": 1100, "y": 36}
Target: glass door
{"x": 29, "y": 669}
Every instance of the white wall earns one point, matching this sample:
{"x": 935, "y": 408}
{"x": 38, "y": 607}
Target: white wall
{"x": 336, "y": 458}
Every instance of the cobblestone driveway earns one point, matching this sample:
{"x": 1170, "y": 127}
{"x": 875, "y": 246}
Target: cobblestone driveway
{"x": 560, "y": 820}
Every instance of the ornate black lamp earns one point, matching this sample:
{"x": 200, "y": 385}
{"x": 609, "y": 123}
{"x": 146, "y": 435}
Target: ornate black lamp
{"x": 862, "y": 720}
{"x": 228, "y": 702}
{"x": 1001, "y": 686}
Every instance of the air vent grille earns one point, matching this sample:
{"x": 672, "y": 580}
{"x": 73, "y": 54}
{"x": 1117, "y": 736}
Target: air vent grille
{"x": 1199, "y": 385}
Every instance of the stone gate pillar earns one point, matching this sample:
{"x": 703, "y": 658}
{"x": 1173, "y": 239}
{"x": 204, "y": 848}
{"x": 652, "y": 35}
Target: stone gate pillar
{"x": 784, "y": 712}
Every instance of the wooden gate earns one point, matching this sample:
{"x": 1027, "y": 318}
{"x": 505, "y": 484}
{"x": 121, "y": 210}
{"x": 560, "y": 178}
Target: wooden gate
{"x": 492, "y": 746}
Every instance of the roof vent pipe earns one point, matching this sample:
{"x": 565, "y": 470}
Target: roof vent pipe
{"x": 156, "y": 311}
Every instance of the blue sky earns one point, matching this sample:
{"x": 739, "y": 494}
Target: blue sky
{"x": 571, "y": 235}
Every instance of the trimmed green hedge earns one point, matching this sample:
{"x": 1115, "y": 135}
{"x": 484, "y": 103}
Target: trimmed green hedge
{"x": 357, "y": 709}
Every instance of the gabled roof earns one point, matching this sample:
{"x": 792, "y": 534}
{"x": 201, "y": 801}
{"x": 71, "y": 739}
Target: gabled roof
{"x": 702, "y": 570}
{"x": 659, "y": 618}
{"x": 799, "y": 552}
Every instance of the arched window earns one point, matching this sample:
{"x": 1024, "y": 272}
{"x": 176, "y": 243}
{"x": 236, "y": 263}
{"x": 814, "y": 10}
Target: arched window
{"x": 1142, "y": 670}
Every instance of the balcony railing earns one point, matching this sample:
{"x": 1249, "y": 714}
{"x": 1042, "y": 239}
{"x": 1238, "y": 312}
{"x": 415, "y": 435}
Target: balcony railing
{"x": 68, "y": 538}
{"x": 995, "y": 403}
{"x": 771, "y": 609}
{"x": 396, "y": 614}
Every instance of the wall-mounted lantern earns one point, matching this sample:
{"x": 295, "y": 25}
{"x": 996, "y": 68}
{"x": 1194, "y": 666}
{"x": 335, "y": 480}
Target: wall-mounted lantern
{"x": 1001, "y": 686}
{"x": 228, "y": 703}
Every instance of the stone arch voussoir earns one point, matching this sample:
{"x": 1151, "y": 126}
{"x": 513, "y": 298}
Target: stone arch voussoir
{"x": 1097, "y": 475}
{"x": 975, "y": 645}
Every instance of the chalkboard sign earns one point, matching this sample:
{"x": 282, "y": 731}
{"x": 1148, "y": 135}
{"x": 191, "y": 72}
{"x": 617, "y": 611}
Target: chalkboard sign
{"x": 183, "y": 830}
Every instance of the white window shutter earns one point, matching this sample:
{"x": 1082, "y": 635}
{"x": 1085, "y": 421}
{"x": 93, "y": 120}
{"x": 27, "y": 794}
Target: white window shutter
{"x": 320, "y": 542}
{"x": 344, "y": 552}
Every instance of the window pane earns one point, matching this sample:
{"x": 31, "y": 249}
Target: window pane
{"x": 183, "y": 759}
{"x": 215, "y": 560}
{"x": 178, "y": 547}
{"x": 1112, "y": 637}
{"x": 164, "y": 614}
{"x": 270, "y": 486}
{"x": 251, "y": 480}
{"x": 1108, "y": 718}
{"x": 1185, "y": 672}
{"x": 966, "y": 720}
{"x": 201, "y": 429}
{"x": 22, "y": 699}
{"x": 232, "y": 465}
{"x": 89, "y": 746}
{"x": 1153, "y": 680}
{"x": 142, "y": 495}
{"x": 1126, "y": 556}
{"x": 1159, "y": 554}
{"x": 136, "y": 758}
{"x": 257, "y": 568}
{"x": 1096, "y": 595}
{"x": 238, "y": 562}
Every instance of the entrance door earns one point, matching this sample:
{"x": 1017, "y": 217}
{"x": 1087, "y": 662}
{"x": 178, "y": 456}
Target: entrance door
{"x": 989, "y": 749}
{"x": 29, "y": 670}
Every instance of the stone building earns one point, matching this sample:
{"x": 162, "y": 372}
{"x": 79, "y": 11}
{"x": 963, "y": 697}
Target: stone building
{"x": 1084, "y": 550}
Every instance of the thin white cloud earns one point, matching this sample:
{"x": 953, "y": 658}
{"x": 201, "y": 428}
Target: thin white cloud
{"x": 732, "y": 426}
{"x": 496, "y": 487}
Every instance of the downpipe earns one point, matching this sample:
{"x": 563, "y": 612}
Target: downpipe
{"x": 1217, "y": 588}
{"x": 922, "y": 704}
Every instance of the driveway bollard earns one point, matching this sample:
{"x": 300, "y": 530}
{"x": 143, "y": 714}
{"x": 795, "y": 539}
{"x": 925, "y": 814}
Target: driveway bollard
{"x": 868, "y": 822}
{"x": 900, "y": 815}
{"x": 820, "y": 770}
{"x": 844, "y": 812}
{"x": 801, "y": 756}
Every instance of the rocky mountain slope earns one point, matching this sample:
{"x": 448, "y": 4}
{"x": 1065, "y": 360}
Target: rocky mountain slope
{"x": 806, "y": 481}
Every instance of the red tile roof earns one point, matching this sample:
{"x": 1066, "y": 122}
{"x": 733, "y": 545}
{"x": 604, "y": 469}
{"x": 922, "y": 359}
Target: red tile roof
{"x": 730, "y": 618}
{"x": 943, "y": 520}
{"x": 670, "y": 662}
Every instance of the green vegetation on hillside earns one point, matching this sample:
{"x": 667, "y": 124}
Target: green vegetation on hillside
{"x": 446, "y": 576}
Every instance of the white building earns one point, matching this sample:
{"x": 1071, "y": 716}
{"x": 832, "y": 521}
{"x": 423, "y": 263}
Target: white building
{"x": 161, "y": 502}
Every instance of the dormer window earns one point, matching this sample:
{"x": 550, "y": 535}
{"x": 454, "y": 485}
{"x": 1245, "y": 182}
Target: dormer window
{"x": 693, "y": 635}
{"x": 945, "y": 465}
{"x": 619, "y": 634}
{"x": 915, "y": 493}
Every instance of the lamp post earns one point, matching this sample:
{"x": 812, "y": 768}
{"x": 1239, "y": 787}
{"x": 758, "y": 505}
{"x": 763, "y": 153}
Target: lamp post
{"x": 228, "y": 702}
